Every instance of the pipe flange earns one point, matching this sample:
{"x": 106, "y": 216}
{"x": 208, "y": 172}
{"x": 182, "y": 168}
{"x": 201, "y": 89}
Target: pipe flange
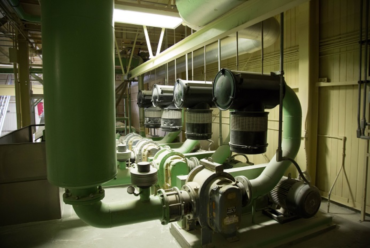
{"x": 123, "y": 156}
{"x": 143, "y": 175}
{"x": 74, "y": 199}
{"x": 176, "y": 204}
{"x": 246, "y": 185}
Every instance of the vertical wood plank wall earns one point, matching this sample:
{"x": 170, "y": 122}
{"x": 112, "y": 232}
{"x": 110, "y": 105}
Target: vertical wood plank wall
{"x": 338, "y": 63}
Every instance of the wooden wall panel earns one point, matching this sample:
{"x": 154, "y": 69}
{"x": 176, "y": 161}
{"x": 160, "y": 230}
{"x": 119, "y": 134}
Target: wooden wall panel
{"x": 339, "y": 63}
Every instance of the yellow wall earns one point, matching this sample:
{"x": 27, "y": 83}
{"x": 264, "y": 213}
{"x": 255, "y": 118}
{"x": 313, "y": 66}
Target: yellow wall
{"x": 329, "y": 109}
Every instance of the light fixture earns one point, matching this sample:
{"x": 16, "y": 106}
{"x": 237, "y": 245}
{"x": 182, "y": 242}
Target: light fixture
{"x": 146, "y": 17}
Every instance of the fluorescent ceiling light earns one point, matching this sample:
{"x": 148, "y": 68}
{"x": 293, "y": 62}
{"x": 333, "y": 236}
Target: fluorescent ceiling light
{"x": 146, "y": 19}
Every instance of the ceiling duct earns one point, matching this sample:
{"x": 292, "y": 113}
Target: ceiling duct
{"x": 196, "y": 96}
{"x": 196, "y": 14}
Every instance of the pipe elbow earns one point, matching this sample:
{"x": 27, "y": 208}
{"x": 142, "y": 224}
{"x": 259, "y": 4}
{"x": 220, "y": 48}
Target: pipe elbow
{"x": 103, "y": 215}
{"x": 96, "y": 215}
{"x": 188, "y": 146}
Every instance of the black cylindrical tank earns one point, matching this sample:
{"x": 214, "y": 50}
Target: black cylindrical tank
{"x": 162, "y": 95}
{"x": 188, "y": 94}
{"x": 144, "y": 98}
{"x": 238, "y": 90}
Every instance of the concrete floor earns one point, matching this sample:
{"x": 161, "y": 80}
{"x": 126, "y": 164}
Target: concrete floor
{"x": 71, "y": 232}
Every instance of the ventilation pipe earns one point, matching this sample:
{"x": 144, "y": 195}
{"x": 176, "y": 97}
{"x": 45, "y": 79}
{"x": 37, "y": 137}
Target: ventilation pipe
{"x": 249, "y": 42}
{"x": 81, "y": 165}
{"x": 197, "y": 14}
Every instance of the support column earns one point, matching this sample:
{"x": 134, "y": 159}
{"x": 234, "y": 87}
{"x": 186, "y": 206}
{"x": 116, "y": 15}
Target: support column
{"x": 24, "y": 81}
{"x": 308, "y": 77}
{"x": 141, "y": 110}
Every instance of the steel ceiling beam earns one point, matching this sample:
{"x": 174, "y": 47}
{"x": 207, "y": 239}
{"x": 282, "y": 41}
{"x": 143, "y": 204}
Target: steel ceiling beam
{"x": 245, "y": 15}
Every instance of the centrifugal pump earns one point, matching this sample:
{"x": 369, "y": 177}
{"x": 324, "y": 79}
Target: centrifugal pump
{"x": 196, "y": 97}
{"x": 248, "y": 95}
{"x": 211, "y": 197}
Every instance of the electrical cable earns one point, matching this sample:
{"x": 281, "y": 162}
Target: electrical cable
{"x": 298, "y": 169}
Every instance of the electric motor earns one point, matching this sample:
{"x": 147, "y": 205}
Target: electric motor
{"x": 296, "y": 197}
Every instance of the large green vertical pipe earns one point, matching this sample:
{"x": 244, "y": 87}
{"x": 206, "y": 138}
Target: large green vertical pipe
{"x": 79, "y": 91}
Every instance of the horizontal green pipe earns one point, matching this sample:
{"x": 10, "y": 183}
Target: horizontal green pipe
{"x": 171, "y": 136}
{"x": 133, "y": 211}
{"x": 188, "y": 146}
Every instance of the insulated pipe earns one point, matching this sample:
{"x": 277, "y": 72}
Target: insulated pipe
{"x": 249, "y": 42}
{"x": 68, "y": 36}
{"x": 188, "y": 146}
{"x": 274, "y": 171}
{"x": 197, "y": 14}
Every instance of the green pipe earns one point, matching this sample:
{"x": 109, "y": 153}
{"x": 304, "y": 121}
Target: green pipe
{"x": 222, "y": 152}
{"x": 188, "y": 146}
{"x": 133, "y": 211}
{"x": 21, "y": 13}
{"x": 75, "y": 158}
{"x": 145, "y": 194}
{"x": 292, "y": 118}
{"x": 169, "y": 137}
